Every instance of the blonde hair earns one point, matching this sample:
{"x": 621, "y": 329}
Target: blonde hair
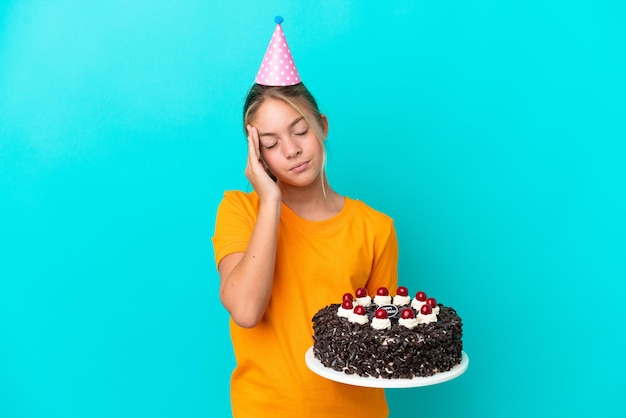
{"x": 298, "y": 97}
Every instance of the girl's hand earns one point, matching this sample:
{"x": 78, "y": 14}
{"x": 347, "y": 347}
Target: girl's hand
{"x": 256, "y": 172}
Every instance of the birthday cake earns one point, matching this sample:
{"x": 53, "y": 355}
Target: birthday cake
{"x": 388, "y": 337}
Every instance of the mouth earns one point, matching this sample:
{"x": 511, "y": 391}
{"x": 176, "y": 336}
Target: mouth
{"x": 296, "y": 168}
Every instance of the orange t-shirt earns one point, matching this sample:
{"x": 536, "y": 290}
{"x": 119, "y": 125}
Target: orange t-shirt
{"x": 316, "y": 263}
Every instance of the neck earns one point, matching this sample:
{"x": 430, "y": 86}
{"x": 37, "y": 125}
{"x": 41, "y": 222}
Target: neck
{"x": 312, "y": 202}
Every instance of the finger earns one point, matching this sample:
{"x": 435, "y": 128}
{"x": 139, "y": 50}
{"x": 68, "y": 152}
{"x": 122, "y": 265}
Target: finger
{"x": 253, "y": 143}
{"x": 252, "y": 153}
{"x": 256, "y": 141}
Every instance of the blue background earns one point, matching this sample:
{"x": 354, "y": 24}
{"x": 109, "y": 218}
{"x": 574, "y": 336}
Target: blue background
{"x": 492, "y": 132}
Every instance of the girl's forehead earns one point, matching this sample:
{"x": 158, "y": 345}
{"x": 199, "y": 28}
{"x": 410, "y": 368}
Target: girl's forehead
{"x": 275, "y": 111}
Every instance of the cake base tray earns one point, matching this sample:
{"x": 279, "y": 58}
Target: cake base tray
{"x": 379, "y": 382}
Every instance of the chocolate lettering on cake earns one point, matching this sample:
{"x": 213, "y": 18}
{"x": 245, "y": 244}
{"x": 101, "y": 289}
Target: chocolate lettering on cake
{"x": 392, "y": 310}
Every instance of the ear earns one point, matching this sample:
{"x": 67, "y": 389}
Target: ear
{"x": 324, "y": 126}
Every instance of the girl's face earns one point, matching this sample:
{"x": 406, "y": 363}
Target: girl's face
{"x": 288, "y": 144}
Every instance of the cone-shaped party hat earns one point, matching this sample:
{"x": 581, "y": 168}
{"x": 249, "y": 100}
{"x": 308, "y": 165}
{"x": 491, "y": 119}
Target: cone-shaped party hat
{"x": 277, "y": 67}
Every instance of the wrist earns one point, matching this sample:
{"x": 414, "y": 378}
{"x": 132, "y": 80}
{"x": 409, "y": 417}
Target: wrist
{"x": 270, "y": 204}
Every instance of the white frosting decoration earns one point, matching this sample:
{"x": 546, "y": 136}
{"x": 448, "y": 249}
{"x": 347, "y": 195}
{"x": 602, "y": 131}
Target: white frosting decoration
{"x": 382, "y": 300}
{"x": 417, "y": 305}
{"x": 401, "y": 300}
{"x": 436, "y": 310}
{"x": 343, "y": 313}
{"x": 408, "y": 322}
{"x": 359, "y": 319}
{"x": 378, "y": 323}
{"x": 364, "y": 301}
{"x": 426, "y": 319}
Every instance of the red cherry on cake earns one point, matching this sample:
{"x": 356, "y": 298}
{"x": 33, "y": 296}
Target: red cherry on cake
{"x": 347, "y": 296}
{"x": 381, "y": 314}
{"x": 347, "y": 304}
{"x": 382, "y": 291}
{"x": 421, "y": 296}
{"x": 359, "y": 310}
{"x": 407, "y": 314}
{"x": 432, "y": 302}
{"x": 426, "y": 309}
{"x": 402, "y": 291}
{"x": 361, "y": 292}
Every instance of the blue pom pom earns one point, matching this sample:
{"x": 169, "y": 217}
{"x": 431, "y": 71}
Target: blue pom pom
{"x": 278, "y": 19}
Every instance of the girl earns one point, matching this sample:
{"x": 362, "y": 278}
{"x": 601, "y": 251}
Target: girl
{"x": 286, "y": 250}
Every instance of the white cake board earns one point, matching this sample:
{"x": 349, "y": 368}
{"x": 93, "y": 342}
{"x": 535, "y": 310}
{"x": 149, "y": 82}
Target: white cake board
{"x": 379, "y": 382}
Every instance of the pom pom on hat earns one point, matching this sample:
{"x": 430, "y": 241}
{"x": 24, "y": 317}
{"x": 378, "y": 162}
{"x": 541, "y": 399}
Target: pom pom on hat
{"x": 278, "y": 67}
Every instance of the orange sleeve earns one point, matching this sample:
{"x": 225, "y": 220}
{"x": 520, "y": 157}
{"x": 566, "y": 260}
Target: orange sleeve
{"x": 385, "y": 264}
{"x": 235, "y": 219}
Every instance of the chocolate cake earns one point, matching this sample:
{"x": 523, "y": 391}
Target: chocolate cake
{"x": 399, "y": 338}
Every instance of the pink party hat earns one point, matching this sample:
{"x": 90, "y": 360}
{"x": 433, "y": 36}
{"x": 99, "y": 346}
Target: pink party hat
{"x": 277, "y": 67}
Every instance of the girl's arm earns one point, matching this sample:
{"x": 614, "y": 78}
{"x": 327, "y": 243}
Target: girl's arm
{"x": 246, "y": 278}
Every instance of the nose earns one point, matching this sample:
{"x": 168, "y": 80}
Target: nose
{"x": 291, "y": 148}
